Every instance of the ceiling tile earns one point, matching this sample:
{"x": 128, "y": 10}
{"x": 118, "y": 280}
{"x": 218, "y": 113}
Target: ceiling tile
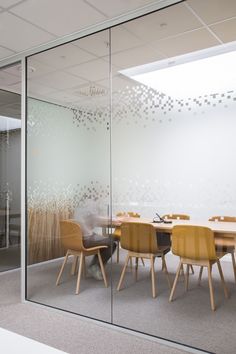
{"x": 122, "y": 39}
{"x": 7, "y": 79}
{"x": 34, "y": 88}
{"x": 18, "y": 35}
{"x": 114, "y": 8}
{"x": 59, "y": 80}
{"x": 8, "y": 3}
{"x": 164, "y": 23}
{"x": 14, "y": 87}
{"x": 186, "y": 43}
{"x": 225, "y": 30}
{"x": 92, "y": 71}
{"x": 97, "y": 44}
{"x": 64, "y": 56}
{"x": 5, "y": 52}
{"x": 14, "y": 70}
{"x": 213, "y": 10}
{"x": 58, "y": 16}
{"x": 136, "y": 56}
{"x": 36, "y": 69}
{"x": 119, "y": 82}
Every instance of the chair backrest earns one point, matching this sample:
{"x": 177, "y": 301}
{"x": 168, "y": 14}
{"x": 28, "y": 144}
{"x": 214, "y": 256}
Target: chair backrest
{"x": 176, "y": 217}
{"x": 223, "y": 218}
{"x": 128, "y": 213}
{"x": 193, "y": 242}
{"x": 139, "y": 237}
{"x": 71, "y": 235}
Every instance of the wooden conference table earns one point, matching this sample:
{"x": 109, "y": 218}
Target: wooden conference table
{"x": 226, "y": 230}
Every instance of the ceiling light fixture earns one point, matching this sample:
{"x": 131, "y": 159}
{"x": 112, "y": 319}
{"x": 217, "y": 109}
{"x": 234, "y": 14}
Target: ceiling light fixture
{"x": 192, "y": 75}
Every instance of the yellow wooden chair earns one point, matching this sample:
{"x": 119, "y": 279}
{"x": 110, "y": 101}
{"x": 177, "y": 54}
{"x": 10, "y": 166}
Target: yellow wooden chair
{"x": 72, "y": 241}
{"x": 223, "y": 244}
{"x": 117, "y": 232}
{"x": 178, "y": 217}
{"x": 195, "y": 245}
{"x": 140, "y": 240}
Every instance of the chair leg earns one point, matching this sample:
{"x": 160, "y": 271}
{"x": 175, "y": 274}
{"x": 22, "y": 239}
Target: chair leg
{"x": 74, "y": 265}
{"x": 187, "y": 278}
{"x": 211, "y": 287}
{"x": 62, "y": 268}
{"x": 136, "y": 268}
{"x": 192, "y": 270}
{"x": 102, "y": 268}
{"x": 153, "y": 278}
{"x": 182, "y": 269}
{"x": 234, "y": 265}
{"x": 118, "y": 252}
{"x": 164, "y": 268}
{"x": 81, "y": 261}
{"x": 143, "y": 262}
{"x": 123, "y": 272}
{"x": 175, "y": 281}
{"x": 84, "y": 267}
{"x": 200, "y": 275}
{"x": 131, "y": 263}
{"x": 222, "y": 279}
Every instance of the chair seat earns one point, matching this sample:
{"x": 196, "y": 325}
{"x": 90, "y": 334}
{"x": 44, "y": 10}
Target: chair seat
{"x": 162, "y": 250}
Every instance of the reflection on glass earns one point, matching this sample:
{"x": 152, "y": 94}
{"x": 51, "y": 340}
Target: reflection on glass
{"x": 10, "y": 186}
{"x": 68, "y": 177}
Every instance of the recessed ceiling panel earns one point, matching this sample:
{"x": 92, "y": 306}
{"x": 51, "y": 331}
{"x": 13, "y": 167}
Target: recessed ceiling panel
{"x": 5, "y": 52}
{"x": 59, "y": 80}
{"x": 212, "y": 11}
{"x": 164, "y": 23}
{"x": 18, "y": 35}
{"x": 136, "y": 56}
{"x": 59, "y": 17}
{"x": 114, "y": 8}
{"x": 94, "y": 70}
{"x": 225, "y": 30}
{"x": 186, "y": 43}
{"x": 64, "y": 56}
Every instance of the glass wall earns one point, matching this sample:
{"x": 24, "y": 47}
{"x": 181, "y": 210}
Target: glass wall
{"x": 68, "y": 160}
{"x": 10, "y": 157}
{"x": 128, "y": 126}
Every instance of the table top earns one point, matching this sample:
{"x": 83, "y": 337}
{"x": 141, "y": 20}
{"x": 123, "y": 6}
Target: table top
{"x": 215, "y": 226}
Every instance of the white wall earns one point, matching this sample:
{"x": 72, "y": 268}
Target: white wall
{"x": 175, "y": 156}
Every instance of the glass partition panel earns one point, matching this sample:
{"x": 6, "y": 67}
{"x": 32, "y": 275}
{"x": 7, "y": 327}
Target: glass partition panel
{"x": 173, "y": 145}
{"x": 10, "y": 157}
{"x": 68, "y": 178}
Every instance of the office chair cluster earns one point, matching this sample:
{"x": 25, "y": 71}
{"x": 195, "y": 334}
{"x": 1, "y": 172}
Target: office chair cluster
{"x": 195, "y": 245}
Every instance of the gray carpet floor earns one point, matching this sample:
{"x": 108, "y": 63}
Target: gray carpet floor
{"x": 188, "y": 319}
{"x": 63, "y": 331}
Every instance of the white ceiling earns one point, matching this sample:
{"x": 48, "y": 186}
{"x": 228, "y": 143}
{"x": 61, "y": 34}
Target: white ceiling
{"x": 61, "y": 73}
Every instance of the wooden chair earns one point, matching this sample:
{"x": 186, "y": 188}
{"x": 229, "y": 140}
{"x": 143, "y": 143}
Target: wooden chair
{"x": 223, "y": 244}
{"x": 72, "y": 241}
{"x": 117, "y": 232}
{"x": 178, "y": 217}
{"x": 140, "y": 240}
{"x": 195, "y": 245}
